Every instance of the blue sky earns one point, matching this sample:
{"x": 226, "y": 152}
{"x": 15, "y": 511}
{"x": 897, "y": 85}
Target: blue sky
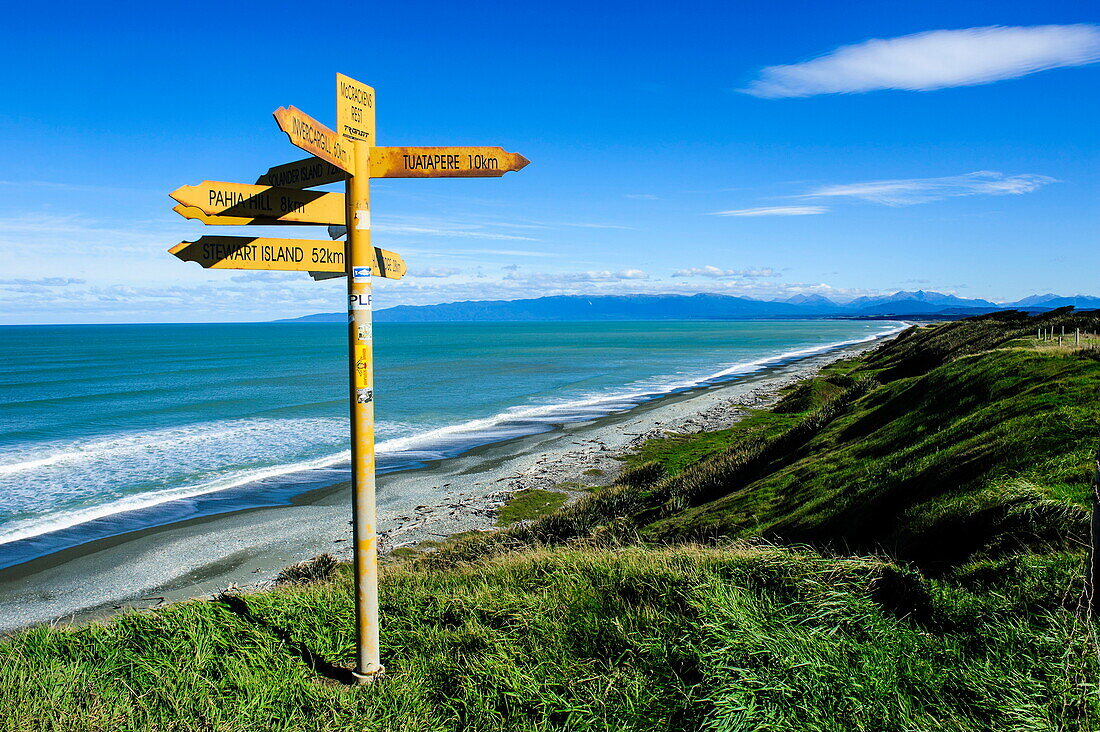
{"x": 761, "y": 149}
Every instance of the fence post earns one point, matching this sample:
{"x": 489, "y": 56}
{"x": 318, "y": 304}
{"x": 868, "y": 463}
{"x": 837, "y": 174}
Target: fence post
{"x": 1092, "y": 570}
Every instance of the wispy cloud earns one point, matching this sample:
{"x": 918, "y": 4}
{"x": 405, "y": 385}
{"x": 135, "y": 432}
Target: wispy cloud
{"x": 716, "y": 273}
{"x": 582, "y": 225}
{"x": 774, "y": 211}
{"x": 470, "y": 232}
{"x": 43, "y": 282}
{"x": 908, "y": 191}
{"x": 642, "y": 196}
{"x": 506, "y": 252}
{"x": 269, "y": 277}
{"x": 933, "y": 60}
{"x": 437, "y": 272}
{"x": 543, "y": 279}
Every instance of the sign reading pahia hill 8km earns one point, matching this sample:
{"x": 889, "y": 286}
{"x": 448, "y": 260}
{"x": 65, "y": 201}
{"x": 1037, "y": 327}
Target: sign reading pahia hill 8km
{"x": 281, "y": 196}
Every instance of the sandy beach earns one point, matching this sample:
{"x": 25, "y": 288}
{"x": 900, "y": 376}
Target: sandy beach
{"x": 204, "y": 556}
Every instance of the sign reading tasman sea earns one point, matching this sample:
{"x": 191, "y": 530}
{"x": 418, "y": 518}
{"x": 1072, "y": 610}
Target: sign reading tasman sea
{"x": 281, "y": 196}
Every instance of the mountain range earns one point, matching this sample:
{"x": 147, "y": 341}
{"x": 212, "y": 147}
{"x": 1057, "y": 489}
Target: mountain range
{"x": 706, "y": 306}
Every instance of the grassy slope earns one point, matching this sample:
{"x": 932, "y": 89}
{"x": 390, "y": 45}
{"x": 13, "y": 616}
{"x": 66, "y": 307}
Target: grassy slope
{"x": 631, "y": 639}
{"x": 958, "y": 455}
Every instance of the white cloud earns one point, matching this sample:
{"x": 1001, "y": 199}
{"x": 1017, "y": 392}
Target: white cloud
{"x": 774, "y": 211}
{"x": 583, "y": 225}
{"x": 907, "y": 191}
{"x": 933, "y": 60}
{"x": 541, "y": 278}
{"x": 642, "y": 196}
{"x": 471, "y": 232}
{"x": 43, "y": 282}
{"x": 504, "y": 252}
{"x": 437, "y": 272}
{"x": 716, "y": 273}
{"x": 269, "y": 277}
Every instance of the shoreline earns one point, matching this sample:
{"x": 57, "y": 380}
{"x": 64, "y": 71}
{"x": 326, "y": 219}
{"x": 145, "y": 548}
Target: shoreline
{"x": 204, "y": 555}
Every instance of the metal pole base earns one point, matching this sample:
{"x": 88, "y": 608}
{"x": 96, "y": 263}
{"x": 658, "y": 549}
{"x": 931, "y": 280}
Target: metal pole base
{"x": 363, "y": 679}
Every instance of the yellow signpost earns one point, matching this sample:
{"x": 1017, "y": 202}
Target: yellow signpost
{"x": 302, "y": 174}
{"x": 295, "y": 255}
{"x": 279, "y": 197}
{"x": 354, "y": 109}
{"x": 443, "y": 162}
{"x": 244, "y": 200}
{"x": 313, "y": 137}
{"x": 191, "y": 212}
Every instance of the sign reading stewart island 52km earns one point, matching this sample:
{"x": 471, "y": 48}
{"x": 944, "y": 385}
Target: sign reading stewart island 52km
{"x": 302, "y": 255}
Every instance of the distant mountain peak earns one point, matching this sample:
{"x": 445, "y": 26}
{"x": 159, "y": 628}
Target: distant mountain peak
{"x": 700, "y": 306}
{"x": 804, "y": 299}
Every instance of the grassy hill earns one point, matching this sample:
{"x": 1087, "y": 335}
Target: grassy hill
{"x": 898, "y": 545}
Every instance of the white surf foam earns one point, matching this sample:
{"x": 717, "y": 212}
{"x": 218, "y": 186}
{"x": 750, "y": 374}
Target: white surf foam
{"x": 130, "y": 454}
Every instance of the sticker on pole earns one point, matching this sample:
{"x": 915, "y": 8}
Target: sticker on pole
{"x": 364, "y": 396}
{"x": 360, "y": 274}
{"x": 359, "y": 301}
{"x": 362, "y": 367}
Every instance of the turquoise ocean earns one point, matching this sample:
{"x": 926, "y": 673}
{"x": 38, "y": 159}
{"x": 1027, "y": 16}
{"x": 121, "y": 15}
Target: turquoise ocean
{"x": 106, "y": 429}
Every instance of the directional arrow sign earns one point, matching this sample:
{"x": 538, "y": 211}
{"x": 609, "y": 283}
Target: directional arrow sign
{"x": 313, "y": 137}
{"x": 286, "y": 255}
{"x": 190, "y": 212}
{"x": 354, "y": 109}
{"x": 302, "y": 174}
{"x": 242, "y": 200}
{"x": 443, "y": 162}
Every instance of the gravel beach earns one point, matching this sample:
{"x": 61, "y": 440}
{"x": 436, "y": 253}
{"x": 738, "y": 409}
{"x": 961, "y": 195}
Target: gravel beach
{"x": 204, "y": 556}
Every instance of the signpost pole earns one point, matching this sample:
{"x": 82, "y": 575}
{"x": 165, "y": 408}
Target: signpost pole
{"x": 282, "y": 195}
{"x": 359, "y": 260}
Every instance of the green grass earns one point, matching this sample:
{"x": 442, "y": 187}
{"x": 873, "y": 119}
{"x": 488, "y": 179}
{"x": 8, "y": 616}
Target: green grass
{"x": 674, "y": 638}
{"x": 407, "y": 552}
{"x": 676, "y": 452}
{"x": 898, "y": 545}
{"x": 529, "y": 503}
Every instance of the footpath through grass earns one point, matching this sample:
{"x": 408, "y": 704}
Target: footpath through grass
{"x": 897, "y": 546}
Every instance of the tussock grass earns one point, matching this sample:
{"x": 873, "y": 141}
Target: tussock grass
{"x": 735, "y": 637}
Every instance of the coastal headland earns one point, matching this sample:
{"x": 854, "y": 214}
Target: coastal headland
{"x": 203, "y": 556}
{"x": 896, "y": 540}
